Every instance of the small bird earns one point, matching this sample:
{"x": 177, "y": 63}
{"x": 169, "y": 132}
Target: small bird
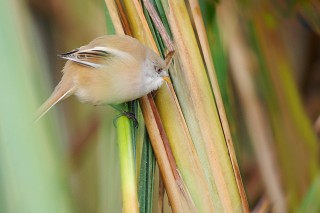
{"x": 111, "y": 69}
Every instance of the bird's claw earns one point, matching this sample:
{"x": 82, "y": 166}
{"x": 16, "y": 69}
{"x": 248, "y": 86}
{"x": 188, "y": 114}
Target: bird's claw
{"x": 129, "y": 115}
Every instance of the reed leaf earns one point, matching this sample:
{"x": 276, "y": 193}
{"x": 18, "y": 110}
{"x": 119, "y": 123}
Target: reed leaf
{"x": 198, "y": 106}
{"x": 137, "y": 22}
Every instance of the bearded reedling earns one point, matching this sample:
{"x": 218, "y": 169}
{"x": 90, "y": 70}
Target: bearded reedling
{"x": 111, "y": 69}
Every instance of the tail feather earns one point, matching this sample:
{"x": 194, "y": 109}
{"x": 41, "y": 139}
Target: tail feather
{"x": 59, "y": 94}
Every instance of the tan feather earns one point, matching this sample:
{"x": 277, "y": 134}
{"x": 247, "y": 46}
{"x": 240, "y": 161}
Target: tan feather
{"x": 62, "y": 91}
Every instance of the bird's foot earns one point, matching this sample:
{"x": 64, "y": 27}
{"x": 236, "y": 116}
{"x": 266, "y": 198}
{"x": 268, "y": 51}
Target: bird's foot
{"x": 129, "y": 115}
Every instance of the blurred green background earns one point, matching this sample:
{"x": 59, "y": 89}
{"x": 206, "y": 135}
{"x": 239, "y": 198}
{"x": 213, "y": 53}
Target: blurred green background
{"x": 68, "y": 161}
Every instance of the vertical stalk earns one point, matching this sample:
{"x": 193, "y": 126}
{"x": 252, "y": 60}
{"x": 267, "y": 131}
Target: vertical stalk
{"x": 127, "y": 169}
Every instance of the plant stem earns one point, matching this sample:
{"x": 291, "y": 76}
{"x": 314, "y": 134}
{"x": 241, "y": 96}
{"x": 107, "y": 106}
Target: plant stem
{"x": 127, "y": 170}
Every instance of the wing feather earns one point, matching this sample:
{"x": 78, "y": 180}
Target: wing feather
{"x": 95, "y": 57}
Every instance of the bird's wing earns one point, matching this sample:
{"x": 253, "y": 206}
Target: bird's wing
{"x": 95, "y": 57}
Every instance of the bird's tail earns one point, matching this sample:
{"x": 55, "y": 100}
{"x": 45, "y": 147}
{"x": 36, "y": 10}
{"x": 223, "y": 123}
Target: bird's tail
{"x": 61, "y": 92}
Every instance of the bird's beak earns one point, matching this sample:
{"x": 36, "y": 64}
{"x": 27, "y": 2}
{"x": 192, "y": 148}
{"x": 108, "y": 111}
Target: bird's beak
{"x": 166, "y": 79}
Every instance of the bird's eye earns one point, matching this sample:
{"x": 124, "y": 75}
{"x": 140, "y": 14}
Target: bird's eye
{"x": 158, "y": 70}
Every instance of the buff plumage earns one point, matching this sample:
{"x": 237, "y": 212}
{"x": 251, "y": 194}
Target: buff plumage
{"x": 109, "y": 70}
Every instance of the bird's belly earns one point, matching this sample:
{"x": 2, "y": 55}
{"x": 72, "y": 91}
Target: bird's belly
{"x": 111, "y": 89}
{"x": 107, "y": 94}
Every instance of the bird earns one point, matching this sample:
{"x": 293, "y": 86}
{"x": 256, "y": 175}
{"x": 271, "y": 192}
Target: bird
{"x": 110, "y": 70}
